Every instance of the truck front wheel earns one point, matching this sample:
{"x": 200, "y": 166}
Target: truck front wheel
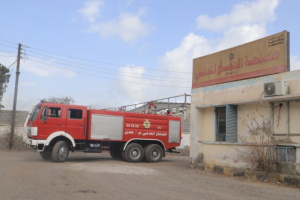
{"x": 153, "y": 153}
{"x": 134, "y": 153}
{"x": 46, "y": 154}
{"x": 60, "y": 151}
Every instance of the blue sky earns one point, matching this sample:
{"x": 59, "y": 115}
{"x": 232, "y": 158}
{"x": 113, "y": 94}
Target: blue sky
{"x": 114, "y": 53}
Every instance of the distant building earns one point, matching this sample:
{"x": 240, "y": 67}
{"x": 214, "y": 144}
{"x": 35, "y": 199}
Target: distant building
{"x": 162, "y": 107}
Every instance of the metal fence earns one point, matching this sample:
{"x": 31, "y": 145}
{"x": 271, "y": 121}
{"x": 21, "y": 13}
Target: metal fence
{"x": 170, "y": 103}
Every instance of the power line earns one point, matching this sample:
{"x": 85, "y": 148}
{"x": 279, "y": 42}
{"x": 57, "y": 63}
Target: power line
{"x": 6, "y": 56}
{"x": 8, "y": 46}
{"x": 9, "y": 42}
{"x": 12, "y": 69}
{"x": 104, "y": 77}
{"x": 107, "y": 77}
{"x": 99, "y": 62}
{"x": 7, "y": 51}
{"x": 119, "y": 65}
{"x": 98, "y": 67}
{"x": 106, "y": 63}
{"x": 131, "y": 74}
{"x": 13, "y": 63}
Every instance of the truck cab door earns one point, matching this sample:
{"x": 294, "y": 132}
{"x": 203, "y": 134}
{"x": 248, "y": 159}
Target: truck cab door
{"x": 76, "y": 123}
{"x": 50, "y": 121}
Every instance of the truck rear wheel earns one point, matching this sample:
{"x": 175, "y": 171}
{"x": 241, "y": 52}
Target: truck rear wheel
{"x": 124, "y": 155}
{"x": 153, "y": 153}
{"x": 60, "y": 151}
{"x": 134, "y": 153}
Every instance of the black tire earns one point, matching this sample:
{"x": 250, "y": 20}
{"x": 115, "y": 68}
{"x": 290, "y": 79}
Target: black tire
{"x": 124, "y": 156}
{"x": 134, "y": 153}
{"x": 46, "y": 155}
{"x": 60, "y": 151}
{"x": 153, "y": 153}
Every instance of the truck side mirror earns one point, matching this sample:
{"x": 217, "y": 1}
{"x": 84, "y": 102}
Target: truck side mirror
{"x": 44, "y": 115}
{"x": 44, "y": 118}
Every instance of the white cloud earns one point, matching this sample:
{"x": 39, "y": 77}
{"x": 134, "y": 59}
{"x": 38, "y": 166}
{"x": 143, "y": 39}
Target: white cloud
{"x": 181, "y": 58}
{"x": 246, "y": 22}
{"x": 135, "y": 91}
{"x": 295, "y": 63}
{"x": 91, "y": 10}
{"x": 142, "y": 87}
{"x": 129, "y": 2}
{"x": 129, "y": 27}
{"x": 247, "y": 13}
{"x": 46, "y": 68}
{"x": 237, "y": 35}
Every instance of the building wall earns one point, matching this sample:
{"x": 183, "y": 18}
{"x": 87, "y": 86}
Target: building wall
{"x": 5, "y": 129}
{"x": 185, "y": 130}
{"x": 286, "y": 122}
{"x": 223, "y": 153}
{"x": 282, "y": 112}
{"x": 6, "y": 115}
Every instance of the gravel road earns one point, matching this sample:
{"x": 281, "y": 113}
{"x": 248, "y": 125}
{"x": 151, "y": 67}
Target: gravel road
{"x": 24, "y": 175}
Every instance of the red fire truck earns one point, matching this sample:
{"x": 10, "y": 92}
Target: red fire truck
{"x": 55, "y": 129}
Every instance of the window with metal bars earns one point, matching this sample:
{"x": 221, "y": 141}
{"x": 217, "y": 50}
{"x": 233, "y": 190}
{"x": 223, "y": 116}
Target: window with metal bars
{"x": 226, "y": 123}
{"x": 282, "y": 154}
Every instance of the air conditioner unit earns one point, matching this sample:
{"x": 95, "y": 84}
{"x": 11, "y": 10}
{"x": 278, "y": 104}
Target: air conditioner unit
{"x": 275, "y": 88}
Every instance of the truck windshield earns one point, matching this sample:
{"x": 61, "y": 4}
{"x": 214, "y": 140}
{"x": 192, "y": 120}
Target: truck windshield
{"x": 35, "y": 112}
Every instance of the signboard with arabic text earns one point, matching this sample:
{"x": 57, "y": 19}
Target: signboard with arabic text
{"x": 269, "y": 55}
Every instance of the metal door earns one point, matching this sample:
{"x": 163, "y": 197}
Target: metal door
{"x": 50, "y": 121}
{"x": 76, "y": 123}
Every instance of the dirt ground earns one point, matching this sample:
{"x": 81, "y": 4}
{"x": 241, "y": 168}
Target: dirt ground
{"x": 24, "y": 175}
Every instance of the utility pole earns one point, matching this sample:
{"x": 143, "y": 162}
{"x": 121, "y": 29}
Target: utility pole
{"x": 13, "y": 121}
{"x": 184, "y": 107}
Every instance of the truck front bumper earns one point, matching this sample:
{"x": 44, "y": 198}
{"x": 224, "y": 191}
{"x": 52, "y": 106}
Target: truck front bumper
{"x": 39, "y": 145}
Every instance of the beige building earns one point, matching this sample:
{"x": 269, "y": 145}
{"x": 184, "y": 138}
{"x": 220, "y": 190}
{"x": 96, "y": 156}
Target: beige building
{"x": 227, "y": 119}
{"x": 245, "y": 107}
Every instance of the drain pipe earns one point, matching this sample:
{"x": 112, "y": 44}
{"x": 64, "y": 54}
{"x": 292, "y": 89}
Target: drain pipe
{"x": 272, "y": 122}
{"x": 195, "y": 134}
{"x": 288, "y": 120}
